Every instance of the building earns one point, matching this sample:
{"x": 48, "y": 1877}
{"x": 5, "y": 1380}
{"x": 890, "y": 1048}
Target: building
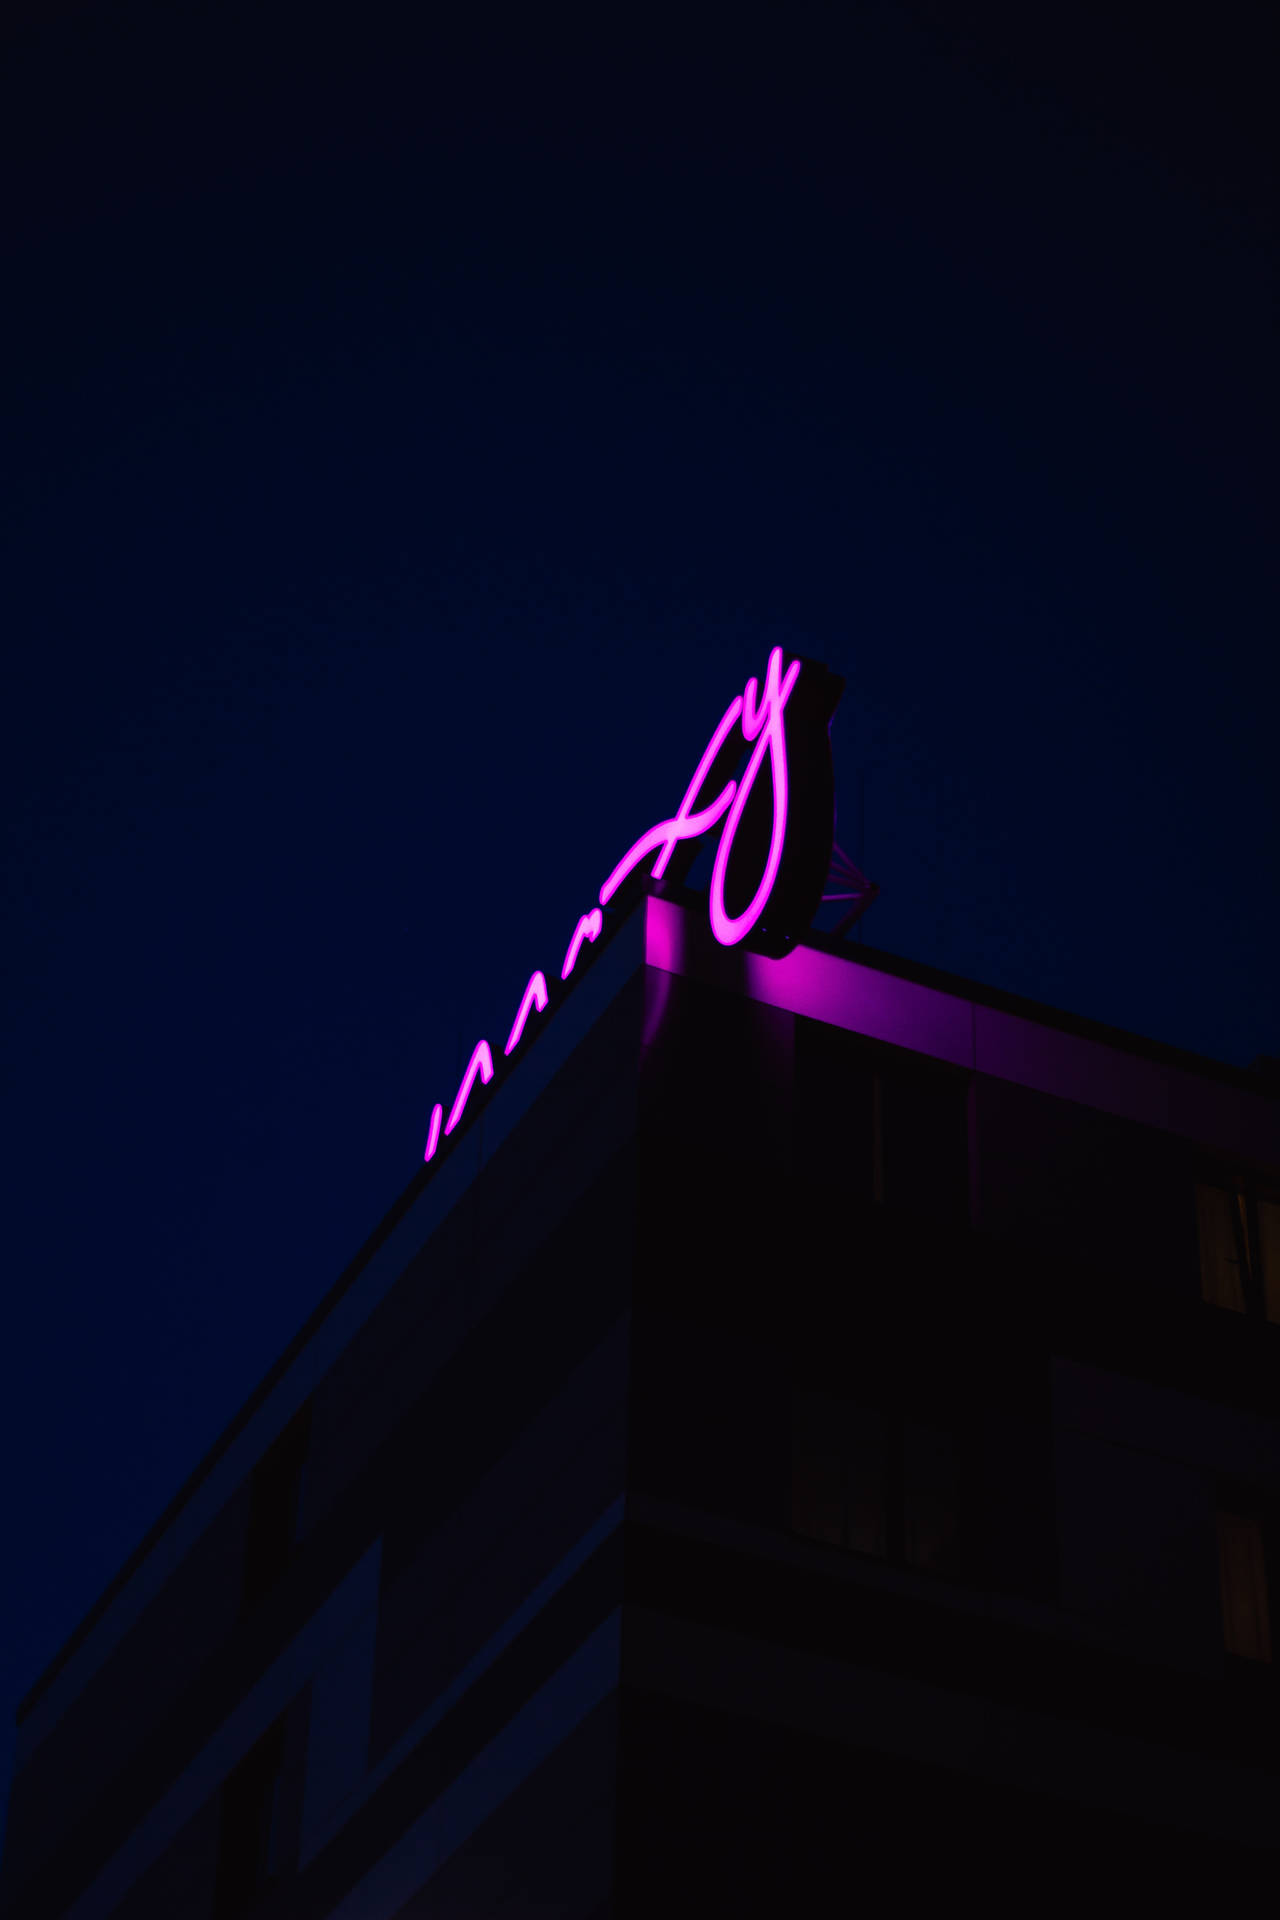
{"x": 816, "y": 1432}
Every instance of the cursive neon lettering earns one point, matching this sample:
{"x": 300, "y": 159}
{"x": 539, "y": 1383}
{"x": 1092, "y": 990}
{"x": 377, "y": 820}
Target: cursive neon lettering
{"x": 763, "y": 730}
{"x": 685, "y": 824}
{"x": 535, "y": 995}
{"x": 588, "y": 928}
{"x": 764, "y": 725}
{"x": 481, "y": 1062}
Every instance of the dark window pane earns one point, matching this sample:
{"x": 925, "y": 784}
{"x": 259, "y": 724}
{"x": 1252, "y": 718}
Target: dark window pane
{"x": 1223, "y": 1246}
{"x": 249, "y": 1801}
{"x": 866, "y": 1517}
{"x": 273, "y": 1510}
{"x": 932, "y": 1490}
{"x": 1269, "y": 1249}
{"x": 818, "y": 1468}
{"x": 1242, "y": 1567}
{"x": 832, "y": 1141}
{"x": 926, "y": 1145}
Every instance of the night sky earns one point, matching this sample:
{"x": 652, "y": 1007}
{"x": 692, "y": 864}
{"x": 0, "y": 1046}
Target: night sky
{"x": 413, "y": 437}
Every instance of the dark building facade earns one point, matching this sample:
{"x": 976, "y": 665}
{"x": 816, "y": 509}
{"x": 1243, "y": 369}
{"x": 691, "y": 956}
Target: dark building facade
{"x": 816, "y": 1434}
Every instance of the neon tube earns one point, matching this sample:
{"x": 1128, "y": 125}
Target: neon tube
{"x": 535, "y": 995}
{"x": 761, "y": 716}
{"x": 762, "y": 723}
{"x": 684, "y": 824}
{"x": 588, "y": 928}
{"x": 481, "y": 1062}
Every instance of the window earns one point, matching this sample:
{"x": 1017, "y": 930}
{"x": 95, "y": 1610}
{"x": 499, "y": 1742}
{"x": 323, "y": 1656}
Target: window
{"x": 249, "y": 1834}
{"x": 1242, "y": 1571}
{"x": 1239, "y": 1249}
{"x": 922, "y": 1144}
{"x": 1269, "y": 1256}
{"x": 274, "y": 1502}
{"x": 874, "y": 1126}
{"x": 897, "y": 1487}
{"x": 933, "y": 1490}
{"x": 818, "y": 1449}
{"x": 1224, "y": 1246}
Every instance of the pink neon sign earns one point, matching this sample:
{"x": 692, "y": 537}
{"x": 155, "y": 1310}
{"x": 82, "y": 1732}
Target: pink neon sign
{"x": 759, "y": 715}
{"x": 535, "y": 995}
{"x": 481, "y": 1062}
{"x": 685, "y": 824}
{"x": 590, "y": 927}
{"x": 763, "y": 724}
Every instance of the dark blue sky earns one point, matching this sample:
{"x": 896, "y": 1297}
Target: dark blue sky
{"x": 413, "y": 438}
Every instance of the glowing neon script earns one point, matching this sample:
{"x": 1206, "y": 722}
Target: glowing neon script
{"x": 481, "y": 1062}
{"x": 685, "y": 824}
{"x": 761, "y": 722}
{"x": 535, "y": 995}
{"x": 761, "y": 717}
{"x": 589, "y": 927}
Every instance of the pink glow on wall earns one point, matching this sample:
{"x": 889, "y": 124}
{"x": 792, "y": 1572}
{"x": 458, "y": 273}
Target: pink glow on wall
{"x": 588, "y": 928}
{"x": 535, "y": 995}
{"x": 762, "y": 723}
{"x": 481, "y": 1062}
{"x": 844, "y": 990}
{"x": 433, "y": 1131}
{"x": 684, "y": 824}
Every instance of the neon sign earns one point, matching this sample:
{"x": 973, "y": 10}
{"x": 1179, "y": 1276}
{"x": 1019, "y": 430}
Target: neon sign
{"x": 771, "y": 861}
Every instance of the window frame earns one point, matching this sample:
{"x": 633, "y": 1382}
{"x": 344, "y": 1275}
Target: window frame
{"x": 1253, "y": 1281}
{"x": 1238, "y": 1501}
{"x": 969, "y": 1565}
